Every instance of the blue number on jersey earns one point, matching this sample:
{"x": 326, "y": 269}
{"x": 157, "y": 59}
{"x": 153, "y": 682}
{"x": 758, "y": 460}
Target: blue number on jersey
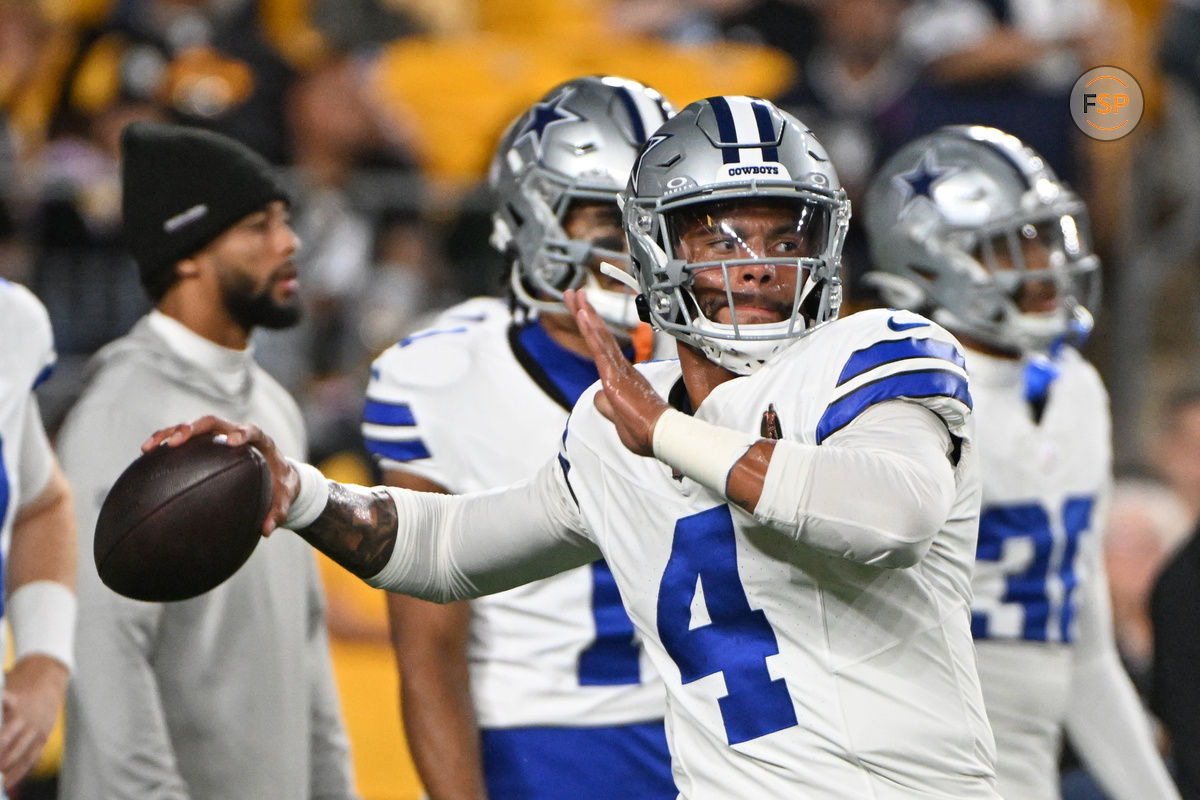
{"x": 738, "y": 639}
{"x": 612, "y": 659}
{"x": 1000, "y": 524}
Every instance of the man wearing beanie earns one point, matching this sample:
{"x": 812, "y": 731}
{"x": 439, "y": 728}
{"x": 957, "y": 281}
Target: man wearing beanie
{"x": 229, "y": 694}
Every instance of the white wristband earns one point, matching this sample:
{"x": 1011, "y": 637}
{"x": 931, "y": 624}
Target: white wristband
{"x": 42, "y": 616}
{"x": 700, "y": 450}
{"x": 311, "y": 499}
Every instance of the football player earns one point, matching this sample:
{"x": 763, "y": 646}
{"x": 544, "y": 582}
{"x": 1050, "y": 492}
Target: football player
{"x": 37, "y": 532}
{"x": 479, "y": 401}
{"x": 972, "y": 226}
{"x": 789, "y": 510}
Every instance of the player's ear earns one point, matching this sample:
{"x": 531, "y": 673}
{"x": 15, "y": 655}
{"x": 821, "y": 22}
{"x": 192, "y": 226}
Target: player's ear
{"x": 187, "y": 267}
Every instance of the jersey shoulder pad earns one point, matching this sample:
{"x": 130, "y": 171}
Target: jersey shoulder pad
{"x": 474, "y": 311}
{"x": 882, "y": 354}
{"x": 662, "y": 374}
{"x": 1074, "y": 364}
{"x": 27, "y": 332}
{"x": 441, "y": 354}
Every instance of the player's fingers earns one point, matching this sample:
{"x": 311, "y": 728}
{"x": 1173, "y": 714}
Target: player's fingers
{"x": 8, "y": 733}
{"x": 605, "y": 351}
{"x": 24, "y": 755}
{"x": 571, "y": 300}
{"x": 285, "y": 483}
{"x": 275, "y": 519}
{"x": 234, "y": 433}
{"x": 11, "y": 734}
{"x": 604, "y": 406}
{"x": 160, "y": 436}
{"x": 20, "y": 755}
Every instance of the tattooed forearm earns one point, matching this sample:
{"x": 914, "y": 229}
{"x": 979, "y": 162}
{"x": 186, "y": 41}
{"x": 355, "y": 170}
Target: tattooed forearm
{"x": 357, "y": 529}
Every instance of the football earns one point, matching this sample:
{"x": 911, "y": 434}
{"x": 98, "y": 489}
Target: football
{"x": 180, "y": 520}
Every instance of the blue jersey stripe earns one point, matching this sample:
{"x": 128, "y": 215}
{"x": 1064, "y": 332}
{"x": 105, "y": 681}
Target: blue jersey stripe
{"x": 888, "y": 352}
{"x": 406, "y": 450}
{"x": 44, "y": 375}
{"x": 928, "y": 383}
{"x": 639, "y": 128}
{"x": 1077, "y": 519}
{"x": 612, "y": 657}
{"x": 405, "y": 342}
{"x": 766, "y": 132}
{"x": 377, "y": 412}
{"x": 726, "y": 129}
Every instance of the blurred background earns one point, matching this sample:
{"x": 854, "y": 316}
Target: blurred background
{"x": 383, "y": 114}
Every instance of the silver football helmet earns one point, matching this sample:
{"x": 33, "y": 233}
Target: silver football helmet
{"x": 714, "y": 156}
{"x": 952, "y": 218}
{"x": 576, "y": 144}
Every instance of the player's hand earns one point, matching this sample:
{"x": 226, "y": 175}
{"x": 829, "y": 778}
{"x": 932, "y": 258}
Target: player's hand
{"x": 33, "y": 694}
{"x": 285, "y": 482}
{"x": 627, "y": 398}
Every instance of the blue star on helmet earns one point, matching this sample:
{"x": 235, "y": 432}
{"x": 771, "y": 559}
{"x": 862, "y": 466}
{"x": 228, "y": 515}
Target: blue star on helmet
{"x": 920, "y": 180}
{"x": 542, "y": 116}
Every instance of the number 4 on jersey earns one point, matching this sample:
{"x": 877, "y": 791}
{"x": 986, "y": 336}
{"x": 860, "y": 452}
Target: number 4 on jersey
{"x": 737, "y": 639}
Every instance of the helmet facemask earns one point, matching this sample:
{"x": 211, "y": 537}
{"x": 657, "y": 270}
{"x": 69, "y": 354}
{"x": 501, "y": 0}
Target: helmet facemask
{"x": 1038, "y": 278}
{"x": 560, "y": 262}
{"x": 717, "y": 158}
{"x": 709, "y": 264}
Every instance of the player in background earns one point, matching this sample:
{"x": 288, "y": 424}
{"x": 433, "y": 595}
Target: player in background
{"x": 229, "y": 694}
{"x": 789, "y": 510}
{"x": 542, "y": 691}
{"x": 37, "y": 537}
{"x": 971, "y": 226}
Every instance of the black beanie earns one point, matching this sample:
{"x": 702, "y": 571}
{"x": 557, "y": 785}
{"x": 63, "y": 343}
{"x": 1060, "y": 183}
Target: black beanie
{"x": 182, "y": 187}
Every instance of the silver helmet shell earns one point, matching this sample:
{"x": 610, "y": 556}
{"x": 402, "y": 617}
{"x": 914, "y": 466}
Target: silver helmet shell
{"x": 577, "y": 143}
{"x": 945, "y": 217}
{"x": 722, "y": 151}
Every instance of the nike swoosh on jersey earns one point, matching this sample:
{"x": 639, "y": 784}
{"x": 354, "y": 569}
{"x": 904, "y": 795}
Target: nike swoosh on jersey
{"x": 904, "y": 326}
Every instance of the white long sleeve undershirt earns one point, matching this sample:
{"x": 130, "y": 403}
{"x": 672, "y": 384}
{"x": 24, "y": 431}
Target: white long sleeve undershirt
{"x": 876, "y": 492}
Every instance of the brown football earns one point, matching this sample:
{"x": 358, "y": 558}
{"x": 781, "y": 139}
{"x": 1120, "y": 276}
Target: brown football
{"x": 180, "y": 520}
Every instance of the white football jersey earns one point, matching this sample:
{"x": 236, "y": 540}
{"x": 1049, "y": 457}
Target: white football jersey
{"x": 1044, "y": 484}
{"x": 790, "y": 672}
{"x": 26, "y": 459}
{"x": 454, "y": 405}
{"x": 1039, "y": 589}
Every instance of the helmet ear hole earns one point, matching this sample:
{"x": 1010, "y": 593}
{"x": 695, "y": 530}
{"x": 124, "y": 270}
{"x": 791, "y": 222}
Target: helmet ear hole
{"x": 810, "y": 307}
{"x": 643, "y": 308}
{"x": 923, "y": 272}
{"x": 516, "y": 215}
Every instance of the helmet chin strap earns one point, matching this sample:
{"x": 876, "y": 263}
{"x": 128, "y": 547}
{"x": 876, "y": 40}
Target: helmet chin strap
{"x": 620, "y": 275}
{"x": 617, "y": 309}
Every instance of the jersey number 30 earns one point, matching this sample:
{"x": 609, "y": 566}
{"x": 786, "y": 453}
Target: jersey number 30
{"x": 737, "y": 639}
